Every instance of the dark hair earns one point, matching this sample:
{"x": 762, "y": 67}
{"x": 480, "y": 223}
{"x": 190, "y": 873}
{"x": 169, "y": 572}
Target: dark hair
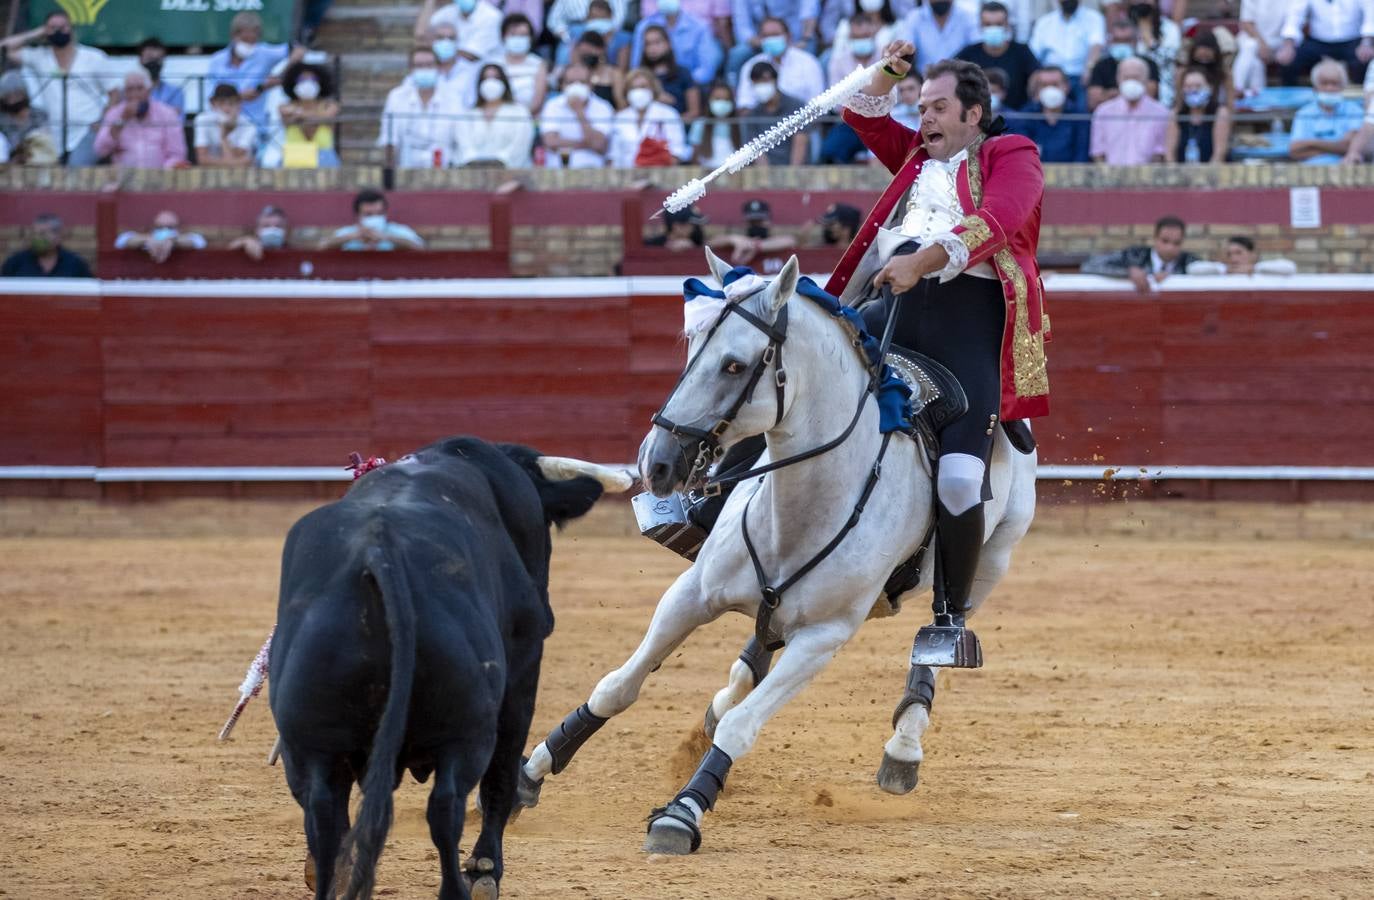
{"x": 992, "y": 6}
{"x": 592, "y": 39}
{"x": 670, "y": 60}
{"x": 517, "y": 19}
{"x": 736, "y": 138}
{"x": 1170, "y": 222}
{"x": 368, "y": 195}
{"x": 420, "y": 48}
{"x": 151, "y": 43}
{"x": 761, "y": 68}
{"x": 864, "y": 17}
{"x": 294, "y": 72}
{"x": 996, "y": 78}
{"x": 47, "y": 219}
{"x": 783, "y": 22}
{"x": 501, "y": 75}
{"x": 224, "y": 91}
{"x": 970, "y": 86}
{"x": 600, "y": 4}
{"x": 1242, "y": 241}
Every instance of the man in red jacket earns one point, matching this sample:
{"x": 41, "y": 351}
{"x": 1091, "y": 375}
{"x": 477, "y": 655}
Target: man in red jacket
{"x": 964, "y": 209}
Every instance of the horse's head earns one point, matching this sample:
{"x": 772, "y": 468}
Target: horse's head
{"x": 732, "y": 387}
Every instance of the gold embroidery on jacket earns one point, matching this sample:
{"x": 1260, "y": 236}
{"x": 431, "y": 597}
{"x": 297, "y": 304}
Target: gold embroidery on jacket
{"x": 1027, "y": 349}
{"x": 976, "y": 233}
{"x": 975, "y": 171}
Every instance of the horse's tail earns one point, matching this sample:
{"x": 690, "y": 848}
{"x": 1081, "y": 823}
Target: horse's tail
{"x": 356, "y": 872}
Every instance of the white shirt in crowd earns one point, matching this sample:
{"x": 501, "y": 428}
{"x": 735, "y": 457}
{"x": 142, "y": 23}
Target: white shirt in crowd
{"x": 208, "y": 131}
{"x": 507, "y": 136}
{"x": 661, "y": 122}
{"x": 842, "y": 60}
{"x": 886, "y": 35}
{"x": 478, "y": 33}
{"x": 522, "y": 77}
{"x": 1268, "y": 16}
{"x": 1057, "y": 42}
{"x": 416, "y": 128}
{"x": 566, "y": 13}
{"x": 934, "y": 209}
{"x": 4, "y": 149}
{"x": 1331, "y": 21}
{"x": 799, "y": 77}
{"x": 559, "y": 119}
{"x": 89, "y": 83}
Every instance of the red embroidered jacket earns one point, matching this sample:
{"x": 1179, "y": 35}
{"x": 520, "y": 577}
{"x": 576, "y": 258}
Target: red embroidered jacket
{"x": 1000, "y": 187}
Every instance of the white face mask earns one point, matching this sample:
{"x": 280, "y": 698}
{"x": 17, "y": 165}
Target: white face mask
{"x": 578, "y": 90}
{"x": 765, "y": 90}
{"x": 243, "y": 49}
{"x": 517, "y": 44}
{"x": 307, "y": 90}
{"x": 376, "y": 223}
{"x": 491, "y": 89}
{"x": 1132, "y": 89}
{"x": 1329, "y": 99}
{"x": 871, "y": 6}
{"x": 272, "y": 235}
{"x": 639, "y": 97}
{"x": 1052, "y": 97}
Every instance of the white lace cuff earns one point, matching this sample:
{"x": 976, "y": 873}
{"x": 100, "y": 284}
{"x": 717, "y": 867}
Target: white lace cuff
{"x": 958, "y": 256}
{"x": 869, "y": 106}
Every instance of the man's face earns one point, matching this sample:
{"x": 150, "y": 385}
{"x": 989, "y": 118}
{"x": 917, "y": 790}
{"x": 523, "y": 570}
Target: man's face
{"x": 1239, "y": 261}
{"x": 371, "y": 208}
{"x": 48, "y": 231}
{"x": 1052, "y": 79}
{"x": 1169, "y": 243}
{"x": 575, "y": 73}
{"x": 772, "y": 29}
{"x": 1132, "y": 69}
{"x": 57, "y": 22}
{"x": 909, "y": 91}
{"x": 135, "y": 91}
{"x": 271, "y": 220}
{"x": 1328, "y": 81}
{"x": 946, "y": 126}
{"x": 166, "y": 219}
{"x": 992, "y": 18}
{"x": 228, "y": 109}
{"x": 423, "y": 60}
{"x": 862, "y": 29}
{"x": 151, "y": 55}
{"x": 1124, "y": 32}
{"x": 249, "y": 34}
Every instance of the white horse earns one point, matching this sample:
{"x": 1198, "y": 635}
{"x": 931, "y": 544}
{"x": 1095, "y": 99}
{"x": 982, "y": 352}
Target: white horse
{"x": 792, "y": 513}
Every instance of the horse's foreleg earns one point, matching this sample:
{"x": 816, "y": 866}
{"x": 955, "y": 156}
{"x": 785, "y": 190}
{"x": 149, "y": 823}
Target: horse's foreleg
{"x": 676, "y": 828}
{"x": 745, "y": 675}
{"x": 902, "y": 754}
{"x": 681, "y": 611}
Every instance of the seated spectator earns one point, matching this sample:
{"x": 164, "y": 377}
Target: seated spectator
{"x": 681, "y": 229}
{"x": 771, "y": 104}
{"x": 1070, "y": 39}
{"x": 716, "y": 135}
{"x": 141, "y": 133}
{"x": 23, "y": 127}
{"x": 271, "y": 231}
{"x": 1053, "y": 120}
{"x": 1200, "y": 130}
{"x": 647, "y": 132}
{"x": 308, "y": 118}
{"x": 602, "y": 21}
{"x": 749, "y": 19}
{"x": 419, "y": 121}
{"x": 940, "y": 29}
{"x": 840, "y": 224}
{"x": 797, "y": 72}
{"x": 225, "y": 139}
{"x": 837, "y": 17}
{"x": 1242, "y": 259}
{"x": 373, "y": 231}
{"x": 165, "y": 237}
{"x": 690, "y": 42}
{"x": 524, "y": 70}
{"x": 997, "y": 91}
{"x": 758, "y": 237}
{"x": 1147, "y": 266}
{"x": 76, "y": 83}
{"x": 1131, "y": 128}
{"x": 1160, "y": 42}
{"x": 1342, "y": 30}
{"x": 1205, "y": 55}
{"x": 247, "y": 64}
{"x": 1362, "y": 144}
{"x": 605, "y": 80}
{"x": 1261, "y": 35}
{"x": 1324, "y": 128}
{"x": 907, "y": 109}
{"x": 456, "y": 74}
{"x": 576, "y": 125}
{"x": 1124, "y": 37}
{"x": 860, "y": 49}
{"x": 500, "y": 130}
{"x": 151, "y": 54}
{"x": 677, "y": 89}
{"x": 476, "y": 28}
{"x": 45, "y": 256}
{"x": 998, "y": 49}
{"x": 567, "y": 19}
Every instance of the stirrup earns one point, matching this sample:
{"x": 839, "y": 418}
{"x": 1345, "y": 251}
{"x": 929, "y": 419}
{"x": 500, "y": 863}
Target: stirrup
{"x": 948, "y": 646}
{"x": 664, "y": 521}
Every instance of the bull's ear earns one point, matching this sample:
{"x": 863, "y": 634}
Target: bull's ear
{"x": 782, "y": 288}
{"x": 718, "y": 266}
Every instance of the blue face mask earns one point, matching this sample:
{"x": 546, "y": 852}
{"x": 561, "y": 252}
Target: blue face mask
{"x": 1198, "y": 98}
{"x": 600, "y": 26}
{"x": 669, "y": 7}
{"x": 1119, "y": 52}
{"x": 774, "y": 46}
{"x": 862, "y": 47}
{"x": 425, "y": 79}
{"x": 466, "y": 6}
{"x": 445, "y": 49}
{"x": 995, "y": 35}
{"x": 1329, "y": 99}
{"x": 163, "y": 234}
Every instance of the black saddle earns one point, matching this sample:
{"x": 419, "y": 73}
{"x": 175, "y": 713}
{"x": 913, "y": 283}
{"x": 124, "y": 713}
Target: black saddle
{"x": 937, "y": 399}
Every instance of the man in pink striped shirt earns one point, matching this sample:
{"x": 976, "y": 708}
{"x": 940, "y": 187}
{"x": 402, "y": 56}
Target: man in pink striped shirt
{"x": 140, "y": 132}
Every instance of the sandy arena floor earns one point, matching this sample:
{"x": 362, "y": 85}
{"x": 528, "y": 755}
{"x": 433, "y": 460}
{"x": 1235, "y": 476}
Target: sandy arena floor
{"x": 1167, "y": 711}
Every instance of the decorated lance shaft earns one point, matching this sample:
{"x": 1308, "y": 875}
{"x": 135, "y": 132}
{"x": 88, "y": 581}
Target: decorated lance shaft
{"x": 252, "y": 684}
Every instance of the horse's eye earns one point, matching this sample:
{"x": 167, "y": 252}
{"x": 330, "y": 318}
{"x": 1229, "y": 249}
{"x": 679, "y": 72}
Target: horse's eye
{"x": 733, "y": 367}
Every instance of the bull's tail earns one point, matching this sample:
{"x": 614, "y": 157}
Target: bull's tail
{"x": 357, "y": 867}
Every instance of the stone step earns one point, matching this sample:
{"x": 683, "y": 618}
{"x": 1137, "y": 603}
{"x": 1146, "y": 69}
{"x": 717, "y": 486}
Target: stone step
{"x": 368, "y": 29}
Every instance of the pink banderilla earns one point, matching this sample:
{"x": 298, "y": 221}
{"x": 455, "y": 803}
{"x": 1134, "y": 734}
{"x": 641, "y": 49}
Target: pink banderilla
{"x": 252, "y": 684}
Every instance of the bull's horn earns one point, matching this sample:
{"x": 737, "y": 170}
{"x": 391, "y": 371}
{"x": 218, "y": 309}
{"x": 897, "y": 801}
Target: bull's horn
{"x": 561, "y": 468}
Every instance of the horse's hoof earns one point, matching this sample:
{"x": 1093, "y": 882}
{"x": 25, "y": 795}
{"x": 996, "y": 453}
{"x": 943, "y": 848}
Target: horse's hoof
{"x": 898, "y": 777}
{"x": 526, "y": 791}
{"x": 711, "y": 720}
{"x": 672, "y": 830}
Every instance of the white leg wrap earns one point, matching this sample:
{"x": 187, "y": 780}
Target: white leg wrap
{"x": 905, "y": 743}
{"x": 960, "y": 483}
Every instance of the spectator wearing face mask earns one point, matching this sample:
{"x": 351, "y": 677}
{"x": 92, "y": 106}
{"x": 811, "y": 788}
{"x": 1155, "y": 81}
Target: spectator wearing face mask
{"x": 500, "y": 128}
{"x": 647, "y": 132}
{"x": 456, "y": 75}
{"x": 750, "y": 19}
{"x": 839, "y": 224}
{"x": 940, "y": 29}
{"x": 689, "y": 40}
{"x": 714, "y": 13}
{"x": 140, "y": 133}
{"x": 1323, "y": 129}
{"x": 247, "y": 64}
{"x": 1342, "y": 30}
{"x": 270, "y": 232}
{"x": 998, "y": 49}
{"x": 796, "y": 72}
{"x": 45, "y": 257}
{"x": 1146, "y": 266}
{"x": 224, "y": 138}
{"x": 676, "y": 87}
{"x": 1132, "y": 128}
{"x": 1070, "y": 39}
{"x": 24, "y": 128}
{"x": 74, "y": 84}
{"x": 523, "y": 70}
{"x": 605, "y": 80}
{"x": 907, "y": 109}
{"x": 308, "y": 118}
{"x": 419, "y": 122}
{"x": 758, "y": 237}
{"x": 1200, "y": 130}
{"x": 600, "y": 18}
{"x": 859, "y": 49}
{"x": 837, "y": 18}
{"x": 770, "y": 105}
{"x": 373, "y": 230}
{"x": 716, "y": 134}
{"x": 162, "y": 240}
{"x": 151, "y": 55}
{"x": 1205, "y": 55}
{"x": 576, "y": 125}
{"x": 1160, "y": 43}
{"x": 1261, "y": 35}
{"x": 1124, "y": 36}
{"x": 681, "y": 230}
{"x": 476, "y": 27}
{"x": 1053, "y": 119}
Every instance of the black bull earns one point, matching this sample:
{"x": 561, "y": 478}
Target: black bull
{"x": 411, "y": 625}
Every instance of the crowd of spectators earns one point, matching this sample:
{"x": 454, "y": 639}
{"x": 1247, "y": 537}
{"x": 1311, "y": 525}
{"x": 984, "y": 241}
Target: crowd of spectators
{"x": 592, "y": 83}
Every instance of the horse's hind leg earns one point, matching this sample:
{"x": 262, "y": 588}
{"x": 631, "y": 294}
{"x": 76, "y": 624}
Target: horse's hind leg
{"x": 676, "y": 828}
{"x": 745, "y": 675}
{"x": 681, "y": 611}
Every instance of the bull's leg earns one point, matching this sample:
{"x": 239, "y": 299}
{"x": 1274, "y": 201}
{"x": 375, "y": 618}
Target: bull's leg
{"x": 745, "y": 675}
{"x": 447, "y": 802}
{"x": 321, "y": 786}
{"x": 681, "y": 611}
{"x": 676, "y": 828}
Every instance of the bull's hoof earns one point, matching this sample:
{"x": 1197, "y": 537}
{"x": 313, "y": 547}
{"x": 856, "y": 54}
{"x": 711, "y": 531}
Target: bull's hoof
{"x": 711, "y": 720}
{"x": 898, "y": 777}
{"x": 673, "y": 831}
{"x": 309, "y": 872}
{"x": 484, "y": 888}
{"x": 481, "y": 878}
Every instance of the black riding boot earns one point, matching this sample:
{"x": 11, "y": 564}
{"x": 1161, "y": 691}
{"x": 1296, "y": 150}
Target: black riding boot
{"x": 958, "y": 544}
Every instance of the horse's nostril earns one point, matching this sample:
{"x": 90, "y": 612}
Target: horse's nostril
{"x": 658, "y": 472}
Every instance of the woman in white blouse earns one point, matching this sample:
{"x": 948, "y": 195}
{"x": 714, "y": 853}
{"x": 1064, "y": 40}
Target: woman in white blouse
{"x": 526, "y": 71}
{"x": 647, "y": 132}
{"x": 498, "y": 129}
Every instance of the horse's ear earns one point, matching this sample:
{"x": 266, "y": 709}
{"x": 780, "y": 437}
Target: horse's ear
{"x": 782, "y": 288}
{"x": 718, "y": 266}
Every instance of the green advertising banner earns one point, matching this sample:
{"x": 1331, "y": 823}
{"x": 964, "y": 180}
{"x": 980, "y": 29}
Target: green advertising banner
{"x": 177, "y": 23}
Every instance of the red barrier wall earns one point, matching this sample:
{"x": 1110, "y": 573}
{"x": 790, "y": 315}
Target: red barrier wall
{"x": 1174, "y": 379}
